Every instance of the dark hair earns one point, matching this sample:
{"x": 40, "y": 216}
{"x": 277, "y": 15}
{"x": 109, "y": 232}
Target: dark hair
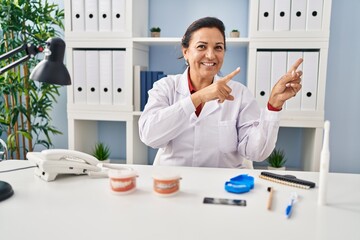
{"x": 206, "y": 22}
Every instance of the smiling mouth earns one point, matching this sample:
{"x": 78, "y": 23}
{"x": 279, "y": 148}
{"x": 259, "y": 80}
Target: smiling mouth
{"x": 208, "y": 64}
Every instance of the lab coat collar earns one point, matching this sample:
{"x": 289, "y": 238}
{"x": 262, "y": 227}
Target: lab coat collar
{"x": 183, "y": 89}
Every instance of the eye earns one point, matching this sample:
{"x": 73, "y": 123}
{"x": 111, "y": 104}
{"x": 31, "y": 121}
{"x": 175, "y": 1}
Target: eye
{"x": 219, "y": 48}
{"x": 201, "y": 47}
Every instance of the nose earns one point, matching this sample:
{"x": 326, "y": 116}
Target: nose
{"x": 210, "y": 54}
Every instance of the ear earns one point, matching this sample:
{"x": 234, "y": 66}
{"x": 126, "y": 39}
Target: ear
{"x": 184, "y": 52}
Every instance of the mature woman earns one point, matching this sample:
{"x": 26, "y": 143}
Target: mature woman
{"x": 202, "y": 120}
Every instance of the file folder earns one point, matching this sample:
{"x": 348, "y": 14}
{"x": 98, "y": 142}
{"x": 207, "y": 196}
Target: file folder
{"x": 143, "y": 89}
{"x": 118, "y": 15}
{"x": 294, "y": 104}
{"x": 91, "y": 16}
{"x": 310, "y": 81}
{"x": 77, "y": 16}
{"x": 104, "y": 15}
{"x": 266, "y": 15}
{"x": 106, "y": 91}
{"x": 263, "y": 80}
{"x": 79, "y": 76}
{"x": 282, "y": 15}
{"x": 314, "y": 15}
{"x": 119, "y": 77}
{"x": 278, "y": 66}
{"x": 298, "y": 15}
{"x": 92, "y": 77}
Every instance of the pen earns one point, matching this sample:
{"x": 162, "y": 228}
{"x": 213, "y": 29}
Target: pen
{"x": 290, "y": 206}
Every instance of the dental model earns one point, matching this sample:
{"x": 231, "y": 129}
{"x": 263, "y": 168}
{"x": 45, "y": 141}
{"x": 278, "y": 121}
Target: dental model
{"x": 122, "y": 181}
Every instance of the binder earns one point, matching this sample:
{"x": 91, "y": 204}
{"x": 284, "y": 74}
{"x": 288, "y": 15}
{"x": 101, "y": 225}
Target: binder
{"x": 262, "y": 79}
{"x": 92, "y": 77}
{"x": 104, "y": 15}
{"x": 118, "y": 15}
{"x": 91, "y": 16}
{"x": 119, "y": 67}
{"x": 314, "y": 15}
{"x": 282, "y": 15}
{"x": 137, "y": 87}
{"x": 77, "y": 16}
{"x": 79, "y": 79}
{"x": 266, "y": 15}
{"x": 143, "y": 89}
{"x": 309, "y": 81}
{"x": 105, "y": 63}
{"x": 294, "y": 104}
{"x": 298, "y": 15}
{"x": 278, "y": 66}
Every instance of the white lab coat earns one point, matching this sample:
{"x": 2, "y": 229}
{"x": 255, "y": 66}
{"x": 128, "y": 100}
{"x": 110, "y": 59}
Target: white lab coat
{"x": 222, "y": 135}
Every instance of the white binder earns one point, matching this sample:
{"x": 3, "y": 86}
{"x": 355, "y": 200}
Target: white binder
{"x": 278, "y": 66}
{"x": 92, "y": 77}
{"x": 263, "y": 80}
{"x": 77, "y": 16}
{"x": 91, "y": 16}
{"x": 105, "y": 63}
{"x": 104, "y": 15}
{"x": 294, "y": 104}
{"x": 309, "y": 81}
{"x": 119, "y": 77}
{"x": 282, "y": 15}
{"x": 266, "y": 15}
{"x": 118, "y": 15}
{"x": 79, "y": 76}
{"x": 314, "y": 15}
{"x": 298, "y": 15}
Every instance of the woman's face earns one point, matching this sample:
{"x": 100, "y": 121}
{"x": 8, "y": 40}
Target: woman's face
{"x": 205, "y": 53}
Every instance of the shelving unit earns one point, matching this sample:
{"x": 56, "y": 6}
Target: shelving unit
{"x": 134, "y": 40}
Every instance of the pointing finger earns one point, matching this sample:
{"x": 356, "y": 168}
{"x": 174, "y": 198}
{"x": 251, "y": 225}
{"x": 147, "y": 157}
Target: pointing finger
{"x": 228, "y": 77}
{"x": 294, "y": 67}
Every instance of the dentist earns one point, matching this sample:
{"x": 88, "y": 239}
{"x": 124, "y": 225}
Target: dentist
{"x": 200, "y": 119}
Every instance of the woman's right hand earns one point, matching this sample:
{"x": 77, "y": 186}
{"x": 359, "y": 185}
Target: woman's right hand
{"x": 217, "y": 90}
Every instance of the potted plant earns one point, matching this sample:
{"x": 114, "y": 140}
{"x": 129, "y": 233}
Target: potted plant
{"x": 101, "y": 151}
{"x": 277, "y": 160}
{"x": 155, "y": 31}
{"x": 235, "y": 33}
{"x": 25, "y": 105}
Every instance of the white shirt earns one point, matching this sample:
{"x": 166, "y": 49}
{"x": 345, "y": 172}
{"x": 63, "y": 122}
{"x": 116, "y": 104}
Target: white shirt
{"x": 222, "y": 135}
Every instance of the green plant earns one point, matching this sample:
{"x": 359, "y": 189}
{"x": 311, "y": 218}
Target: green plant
{"x": 101, "y": 151}
{"x": 155, "y": 29}
{"x": 234, "y": 30}
{"x": 25, "y": 106}
{"x": 277, "y": 158}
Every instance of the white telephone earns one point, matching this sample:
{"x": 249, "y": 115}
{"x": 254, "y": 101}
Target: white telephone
{"x": 52, "y": 162}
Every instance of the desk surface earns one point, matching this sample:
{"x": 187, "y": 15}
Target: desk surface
{"x": 79, "y": 207}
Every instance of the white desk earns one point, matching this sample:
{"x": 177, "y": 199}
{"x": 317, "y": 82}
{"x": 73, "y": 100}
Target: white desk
{"x": 78, "y": 207}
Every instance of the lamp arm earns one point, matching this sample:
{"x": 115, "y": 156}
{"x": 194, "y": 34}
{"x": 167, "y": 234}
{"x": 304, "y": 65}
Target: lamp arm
{"x": 30, "y": 49}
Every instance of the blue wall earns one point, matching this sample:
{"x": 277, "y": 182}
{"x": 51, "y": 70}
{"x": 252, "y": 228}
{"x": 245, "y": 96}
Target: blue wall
{"x": 343, "y": 83}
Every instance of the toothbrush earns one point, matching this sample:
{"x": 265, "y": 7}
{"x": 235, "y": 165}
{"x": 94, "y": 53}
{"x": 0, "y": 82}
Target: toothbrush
{"x": 290, "y": 206}
{"x": 324, "y": 165}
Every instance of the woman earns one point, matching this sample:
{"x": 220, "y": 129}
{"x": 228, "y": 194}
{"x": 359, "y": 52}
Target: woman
{"x": 200, "y": 119}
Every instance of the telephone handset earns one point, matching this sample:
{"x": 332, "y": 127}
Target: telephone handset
{"x": 51, "y": 162}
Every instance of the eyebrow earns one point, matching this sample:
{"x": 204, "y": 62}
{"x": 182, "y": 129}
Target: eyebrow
{"x": 207, "y": 43}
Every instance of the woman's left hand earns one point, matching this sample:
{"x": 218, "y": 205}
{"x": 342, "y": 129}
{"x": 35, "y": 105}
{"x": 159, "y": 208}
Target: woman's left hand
{"x": 287, "y": 86}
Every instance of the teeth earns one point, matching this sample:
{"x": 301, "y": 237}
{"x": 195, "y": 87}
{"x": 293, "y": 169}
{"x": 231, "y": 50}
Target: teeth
{"x": 209, "y": 64}
{"x": 119, "y": 184}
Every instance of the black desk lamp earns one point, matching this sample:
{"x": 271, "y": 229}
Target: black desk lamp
{"x": 50, "y": 70}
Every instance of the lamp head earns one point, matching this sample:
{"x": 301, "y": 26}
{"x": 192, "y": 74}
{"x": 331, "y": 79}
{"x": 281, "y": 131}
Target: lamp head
{"x": 52, "y": 69}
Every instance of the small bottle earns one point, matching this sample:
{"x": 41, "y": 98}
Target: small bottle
{"x": 324, "y": 165}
